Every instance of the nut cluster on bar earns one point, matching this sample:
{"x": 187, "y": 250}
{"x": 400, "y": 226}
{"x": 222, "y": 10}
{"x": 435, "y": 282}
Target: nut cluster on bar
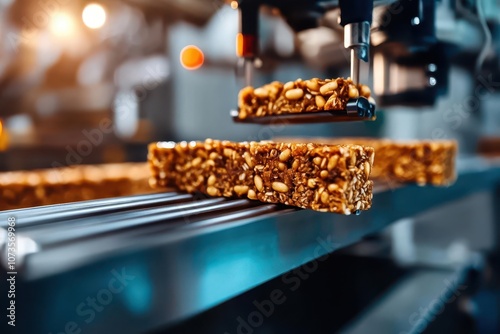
{"x": 21, "y": 189}
{"x": 299, "y": 96}
{"x": 328, "y": 178}
{"x": 419, "y": 161}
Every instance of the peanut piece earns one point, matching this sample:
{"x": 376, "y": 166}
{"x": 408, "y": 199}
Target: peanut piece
{"x": 285, "y": 155}
{"x": 353, "y": 92}
{"x": 367, "y": 169}
{"x": 251, "y": 194}
{"x": 258, "y": 182}
{"x": 289, "y": 85}
{"x": 196, "y": 162}
{"x": 332, "y": 162}
{"x": 294, "y": 94}
{"x": 211, "y": 180}
{"x": 328, "y": 88}
{"x": 365, "y": 91}
{"x": 323, "y": 163}
{"x": 261, "y": 93}
{"x": 212, "y": 191}
{"x": 248, "y": 159}
{"x": 279, "y": 187}
{"x": 324, "y": 197}
{"x": 352, "y": 161}
{"x": 332, "y": 187}
{"x": 312, "y": 85}
{"x": 320, "y": 101}
{"x": 240, "y": 190}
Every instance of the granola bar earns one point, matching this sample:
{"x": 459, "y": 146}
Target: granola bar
{"x": 299, "y": 96}
{"x": 21, "y": 189}
{"x": 489, "y": 146}
{"x": 420, "y": 161}
{"x": 329, "y": 178}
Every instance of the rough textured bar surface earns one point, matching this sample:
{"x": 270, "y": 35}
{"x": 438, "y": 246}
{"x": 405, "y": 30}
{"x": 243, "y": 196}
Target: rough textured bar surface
{"x": 420, "y": 161}
{"x": 22, "y": 189}
{"x": 298, "y": 96}
{"x": 329, "y": 178}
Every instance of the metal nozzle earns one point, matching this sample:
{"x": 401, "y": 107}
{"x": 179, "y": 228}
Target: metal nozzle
{"x": 357, "y": 38}
{"x": 248, "y": 69}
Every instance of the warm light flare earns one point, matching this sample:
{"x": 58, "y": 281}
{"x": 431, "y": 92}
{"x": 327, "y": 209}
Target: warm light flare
{"x": 234, "y": 4}
{"x": 245, "y": 45}
{"x": 3, "y": 138}
{"x": 239, "y": 45}
{"x": 94, "y": 16}
{"x": 62, "y": 25}
{"x": 191, "y": 57}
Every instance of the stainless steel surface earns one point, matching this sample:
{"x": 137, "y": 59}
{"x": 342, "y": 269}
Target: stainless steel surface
{"x": 357, "y": 35}
{"x": 248, "y": 70}
{"x": 357, "y": 38}
{"x": 354, "y": 67}
{"x": 71, "y": 211}
{"x": 195, "y": 254}
{"x": 411, "y": 304}
{"x": 335, "y": 3}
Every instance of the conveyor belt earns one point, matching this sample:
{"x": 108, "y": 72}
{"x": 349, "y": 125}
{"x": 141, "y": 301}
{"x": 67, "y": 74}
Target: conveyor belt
{"x": 107, "y": 223}
{"x": 86, "y": 209}
{"x": 188, "y": 253}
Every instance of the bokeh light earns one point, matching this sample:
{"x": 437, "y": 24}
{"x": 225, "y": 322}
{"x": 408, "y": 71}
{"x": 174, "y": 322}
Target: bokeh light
{"x": 191, "y": 57}
{"x": 62, "y": 25}
{"x": 3, "y": 138}
{"x": 94, "y": 16}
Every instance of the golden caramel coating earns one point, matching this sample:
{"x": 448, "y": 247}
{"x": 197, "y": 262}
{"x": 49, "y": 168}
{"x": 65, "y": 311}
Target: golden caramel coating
{"x": 329, "y": 178}
{"x": 299, "y": 96}
{"x": 421, "y": 161}
{"x": 21, "y": 189}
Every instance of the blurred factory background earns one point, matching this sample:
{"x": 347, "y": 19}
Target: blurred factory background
{"x": 67, "y": 66}
{"x": 93, "y": 82}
